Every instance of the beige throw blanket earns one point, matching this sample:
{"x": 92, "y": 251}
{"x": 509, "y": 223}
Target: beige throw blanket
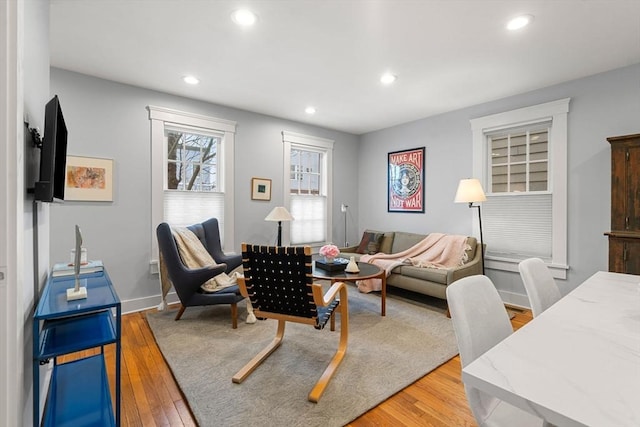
{"x": 436, "y": 250}
{"x": 194, "y": 255}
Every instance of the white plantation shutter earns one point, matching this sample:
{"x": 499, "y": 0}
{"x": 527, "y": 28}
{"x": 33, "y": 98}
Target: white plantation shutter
{"x": 309, "y": 223}
{"x": 519, "y": 225}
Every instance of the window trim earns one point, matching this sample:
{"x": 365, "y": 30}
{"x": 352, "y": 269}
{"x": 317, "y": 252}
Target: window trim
{"x": 556, "y": 112}
{"x": 161, "y": 117}
{"x": 292, "y": 139}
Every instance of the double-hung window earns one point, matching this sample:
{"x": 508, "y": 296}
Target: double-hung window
{"x": 521, "y": 157}
{"x": 192, "y": 170}
{"x": 307, "y": 181}
{"x": 192, "y": 176}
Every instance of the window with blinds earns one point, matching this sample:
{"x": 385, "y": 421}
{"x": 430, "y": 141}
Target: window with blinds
{"x": 521, "y": 158}
{"x": 518, "y": 213}
{"x": 192, "y": 170}
{"x": 192, "y": 178}
{"x": 307, "y": 162}
{"x": 308, "y": 204}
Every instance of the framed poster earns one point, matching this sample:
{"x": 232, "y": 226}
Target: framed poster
{"x": 260, "y": 189}
{"x": 89, "y": 179}
{"x": 405, "y": 181}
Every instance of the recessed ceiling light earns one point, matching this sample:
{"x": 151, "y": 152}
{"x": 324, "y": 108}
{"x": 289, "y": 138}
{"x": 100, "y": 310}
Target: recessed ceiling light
{"x": 388, "y": 78}
{"x": 519, "y": 22}
{"x": 244, "y": 17}
{"x": 191, "y": 80}
{"x": 310, "y": 110}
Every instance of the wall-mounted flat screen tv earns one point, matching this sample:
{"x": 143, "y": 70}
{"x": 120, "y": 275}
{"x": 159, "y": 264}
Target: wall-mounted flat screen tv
{"x": 53, "y": 155}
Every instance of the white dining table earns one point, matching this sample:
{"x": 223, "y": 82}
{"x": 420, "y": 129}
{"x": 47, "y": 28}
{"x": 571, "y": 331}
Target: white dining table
{"x": 577, "y": 363}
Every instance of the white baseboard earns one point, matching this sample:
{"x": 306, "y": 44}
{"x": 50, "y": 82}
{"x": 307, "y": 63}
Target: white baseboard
{"x": 139, "y": 304}
{"x": 514, "y": 299}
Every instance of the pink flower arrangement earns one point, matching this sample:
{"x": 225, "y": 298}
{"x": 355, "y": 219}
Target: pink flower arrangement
{"x": 330, "y": 251}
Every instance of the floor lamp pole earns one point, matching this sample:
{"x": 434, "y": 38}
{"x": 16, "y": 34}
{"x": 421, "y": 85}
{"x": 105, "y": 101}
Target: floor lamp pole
{"x": 481, "y": 241}
{"x": 279, "y": 233}
{"x": 346, "y": 243}
{"x": 344, "y": 208}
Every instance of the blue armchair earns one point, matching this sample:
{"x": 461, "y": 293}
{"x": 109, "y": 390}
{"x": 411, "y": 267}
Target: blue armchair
{"x": 187, "y": 281}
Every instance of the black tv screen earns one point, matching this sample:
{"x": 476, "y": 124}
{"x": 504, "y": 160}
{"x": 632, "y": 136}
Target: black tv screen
{"x": 53, "y": 155}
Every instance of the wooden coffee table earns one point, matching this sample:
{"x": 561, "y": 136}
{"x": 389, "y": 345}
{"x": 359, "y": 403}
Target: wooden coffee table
{"x": 367, "y": 271}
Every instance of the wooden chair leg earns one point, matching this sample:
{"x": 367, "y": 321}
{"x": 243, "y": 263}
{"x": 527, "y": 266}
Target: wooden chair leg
{"x": 318, "y": 389}
{"x": 182, "y": 309}
{"x": 260, "y": 357}
{"x": 234, "y": 315}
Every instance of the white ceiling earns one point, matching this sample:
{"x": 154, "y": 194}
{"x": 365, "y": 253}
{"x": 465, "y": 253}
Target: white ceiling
{"x": 448, "y": 54}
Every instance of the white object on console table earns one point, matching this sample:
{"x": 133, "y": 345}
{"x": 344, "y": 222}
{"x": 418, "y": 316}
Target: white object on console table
{"x": 576, "y": 364}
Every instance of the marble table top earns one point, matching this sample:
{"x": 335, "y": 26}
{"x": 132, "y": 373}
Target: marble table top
{"x": 576, "y": 364}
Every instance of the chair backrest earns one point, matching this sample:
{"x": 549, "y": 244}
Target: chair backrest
{"x": 171, "y": 257}
{"x": 480, "y": 321}
{"x": 279, "y": 279}
{"x": 209, "y": 234}
{"x": 167, "y": 245}
{"x": 540, "y": 285}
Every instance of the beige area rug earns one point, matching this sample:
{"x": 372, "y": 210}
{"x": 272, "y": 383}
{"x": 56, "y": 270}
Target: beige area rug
{"x": 385, "y": 354}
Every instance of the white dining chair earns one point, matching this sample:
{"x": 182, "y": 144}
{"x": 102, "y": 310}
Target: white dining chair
{"x": 481, "y": 321}
{"x": 540, "y": 285}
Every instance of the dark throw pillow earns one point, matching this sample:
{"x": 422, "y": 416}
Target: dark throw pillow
{"x": 370, "y": 243}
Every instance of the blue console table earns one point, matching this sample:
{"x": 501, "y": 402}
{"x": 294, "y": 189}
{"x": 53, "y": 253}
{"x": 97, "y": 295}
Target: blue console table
{"x": 78, "y": 393}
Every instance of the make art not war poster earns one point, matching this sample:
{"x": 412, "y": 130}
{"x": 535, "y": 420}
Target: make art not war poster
{"x": 406, "y": 181}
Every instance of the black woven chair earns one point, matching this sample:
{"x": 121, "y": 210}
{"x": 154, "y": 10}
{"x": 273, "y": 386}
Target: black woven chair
{"x": 279, "y": 283}
{"x": 187, "y": 281}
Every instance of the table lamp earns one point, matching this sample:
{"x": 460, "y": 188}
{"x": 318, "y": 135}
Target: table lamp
{"x": 470, "y": 191}
{"x": 279, "y": 213}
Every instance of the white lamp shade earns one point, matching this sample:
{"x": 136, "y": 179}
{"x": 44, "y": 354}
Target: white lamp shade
{"x": 279, "y": 213}
{"x": 469, "y": 191}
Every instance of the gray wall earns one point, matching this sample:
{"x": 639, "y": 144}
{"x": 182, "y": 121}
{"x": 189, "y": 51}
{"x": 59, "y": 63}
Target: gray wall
{"x": 109, "y": 120}
{"x": 603, "y": 105}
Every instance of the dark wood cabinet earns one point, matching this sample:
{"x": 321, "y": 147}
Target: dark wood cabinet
{"x": 624, "y": 237}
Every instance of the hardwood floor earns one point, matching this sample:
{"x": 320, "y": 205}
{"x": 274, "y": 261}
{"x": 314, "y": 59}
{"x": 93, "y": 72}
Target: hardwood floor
{"x": 151, "y": 397}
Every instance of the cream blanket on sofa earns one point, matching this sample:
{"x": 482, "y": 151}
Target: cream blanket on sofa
{"x": 437, "y": 250}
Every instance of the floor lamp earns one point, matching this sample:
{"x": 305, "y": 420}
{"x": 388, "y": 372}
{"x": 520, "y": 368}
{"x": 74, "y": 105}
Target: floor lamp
{"x": 470, "y": 191}
{"x": 343, "y": 209}
{"x": 279, "y": 214}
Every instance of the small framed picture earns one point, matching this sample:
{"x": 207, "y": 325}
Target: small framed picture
{"x": 89, "y": 179}
{"x": 260, "y": 189}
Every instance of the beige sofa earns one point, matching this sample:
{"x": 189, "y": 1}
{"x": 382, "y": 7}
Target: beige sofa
{"x": 428, "y": 281}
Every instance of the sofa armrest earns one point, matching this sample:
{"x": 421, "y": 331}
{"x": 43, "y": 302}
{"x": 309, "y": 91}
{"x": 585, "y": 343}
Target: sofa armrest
{"x": 470, "y": 268}
{"x": 349, "y": 249}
